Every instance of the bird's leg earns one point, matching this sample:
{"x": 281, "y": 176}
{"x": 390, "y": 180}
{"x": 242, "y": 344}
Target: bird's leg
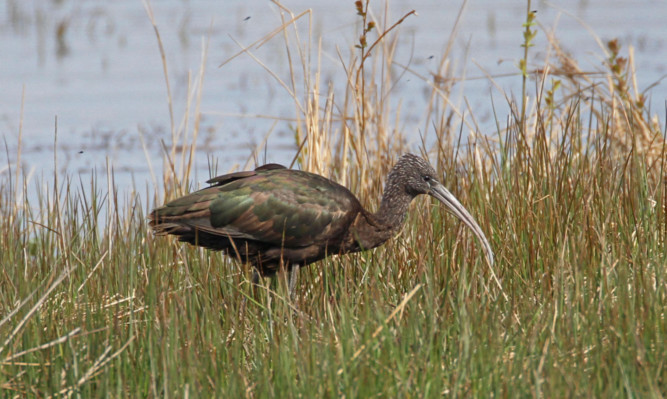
{"x": 293, "y": 274}
{"x": 255, "y": 276}
{"x": 255, "y": 283}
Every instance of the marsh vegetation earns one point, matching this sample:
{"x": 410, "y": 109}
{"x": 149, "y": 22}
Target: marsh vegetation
{"x": 569, "y": 189}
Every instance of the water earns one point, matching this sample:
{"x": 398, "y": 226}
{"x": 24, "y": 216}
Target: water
{"x": 101, "y": 74}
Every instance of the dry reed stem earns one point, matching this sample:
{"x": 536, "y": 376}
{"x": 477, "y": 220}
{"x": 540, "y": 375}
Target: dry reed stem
{"x": 10, "y": 360}
{"x": 99, "y": 363}
{"x": 633, "y": 131}
{"x": 176, "y": 181}
{"x": 34, "y": 309}
{"x": 97, "y": 265}
{"x": 260, "y": 42}
{"x": 378, "y": 330}
{"x": 151, "y": 17}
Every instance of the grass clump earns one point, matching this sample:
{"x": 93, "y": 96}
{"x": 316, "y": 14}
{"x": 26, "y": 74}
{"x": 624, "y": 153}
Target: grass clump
{"x": 570, "y": 191}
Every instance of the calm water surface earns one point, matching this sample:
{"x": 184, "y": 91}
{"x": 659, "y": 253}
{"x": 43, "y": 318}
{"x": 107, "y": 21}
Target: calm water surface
{"x": 96, "y": 66}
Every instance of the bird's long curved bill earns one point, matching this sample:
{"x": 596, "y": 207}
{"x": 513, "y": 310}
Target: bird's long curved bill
{"x": 443, "y": 195}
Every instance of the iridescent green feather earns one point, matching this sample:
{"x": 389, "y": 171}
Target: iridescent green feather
{"x": 279, "y": 206}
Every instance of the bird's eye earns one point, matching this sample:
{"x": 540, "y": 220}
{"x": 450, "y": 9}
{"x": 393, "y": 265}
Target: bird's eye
{"x": 426, "y": 178}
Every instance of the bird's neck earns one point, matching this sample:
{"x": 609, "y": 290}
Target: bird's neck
{"x": 393, "y": 208}
{"x": 373, "y": 229}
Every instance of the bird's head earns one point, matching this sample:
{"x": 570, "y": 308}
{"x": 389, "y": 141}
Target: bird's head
{"x": 413, "y": 175}
{"x": 416, "y": 176}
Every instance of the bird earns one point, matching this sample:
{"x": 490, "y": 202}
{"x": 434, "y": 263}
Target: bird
{"x": 275, "y": 218}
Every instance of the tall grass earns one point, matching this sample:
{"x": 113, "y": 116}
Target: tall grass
{"x": 570, "y": 190}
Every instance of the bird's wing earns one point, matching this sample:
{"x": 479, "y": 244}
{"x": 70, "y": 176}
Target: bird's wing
{"x": 230, "y": 177}
{"x": 272, "y": 206}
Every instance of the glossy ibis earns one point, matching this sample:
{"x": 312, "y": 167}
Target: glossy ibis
{"x": 275, "y": 217}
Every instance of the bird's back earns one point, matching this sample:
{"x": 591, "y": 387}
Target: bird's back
{"x": 263, "y": 216}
